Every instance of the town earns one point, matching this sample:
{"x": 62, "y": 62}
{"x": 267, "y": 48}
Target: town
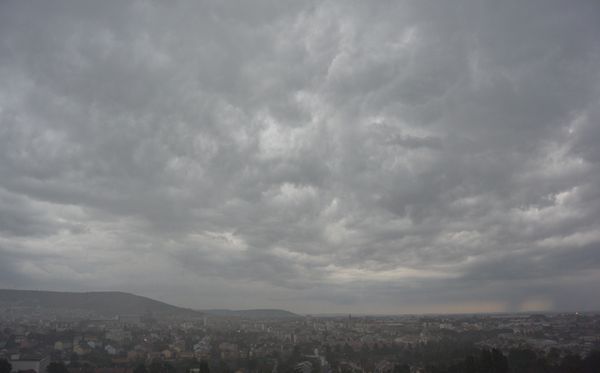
{"x": 31, "y": 341}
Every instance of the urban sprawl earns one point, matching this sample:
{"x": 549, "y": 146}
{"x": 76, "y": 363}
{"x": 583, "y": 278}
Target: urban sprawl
{"x": 53, "y": 342}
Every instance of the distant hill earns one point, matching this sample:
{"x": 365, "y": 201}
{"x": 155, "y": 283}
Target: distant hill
{"x": 253, "y": 314}
{"x": 106, "y": 303}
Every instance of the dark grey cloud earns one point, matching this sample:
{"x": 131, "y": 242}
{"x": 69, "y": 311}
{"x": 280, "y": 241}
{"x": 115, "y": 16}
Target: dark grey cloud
{"x": 321, "y": 156}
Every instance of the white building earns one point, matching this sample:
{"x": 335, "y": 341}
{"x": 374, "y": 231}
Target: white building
{"x": 37, "y": 364}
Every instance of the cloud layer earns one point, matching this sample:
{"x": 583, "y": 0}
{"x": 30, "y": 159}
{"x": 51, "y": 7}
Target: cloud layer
{"x": 335, "y": 156}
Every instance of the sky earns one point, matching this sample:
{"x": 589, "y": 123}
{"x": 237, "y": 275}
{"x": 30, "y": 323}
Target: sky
{"x": 317, "y": 156}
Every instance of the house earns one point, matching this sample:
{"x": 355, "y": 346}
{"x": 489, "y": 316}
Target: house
{"x": 63, "y": 345}
{"x": 81, "y": 349}
{"x": 34, "y": 363}
{"x": 118, "y": 335}
{"x": 110, "y": 350}
{"x": 133, "y": 355}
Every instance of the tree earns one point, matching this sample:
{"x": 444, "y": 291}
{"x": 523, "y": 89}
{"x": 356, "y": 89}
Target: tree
{"x": 140, "y": 369}
{"x": 5, "y": 366}
{"x": 522, "y": 360}
{"x": 401, "y": 368}
{"x": 204, "y": 367}
{"x": 155, "y": 367}
{"x": 499, "y": 362}
{"x": 571, "y": 364}
{"x": 348, "y": 350}
{"x": 74, "y": 360}
{"x": 57, "y": 367}
{"x": 470, "y": 365}
{"x": 251, "y": 364}
{"x": 169, "y": 368}
{"x": 591, "y": 363}
{"x": 224, "y": 368}
{"x": 485, "y": 361}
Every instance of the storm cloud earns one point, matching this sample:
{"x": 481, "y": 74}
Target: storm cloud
{"x": 335, "y": 156}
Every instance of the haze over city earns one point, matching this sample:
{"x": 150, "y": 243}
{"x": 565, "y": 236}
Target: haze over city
{"x": 371, "y": 157}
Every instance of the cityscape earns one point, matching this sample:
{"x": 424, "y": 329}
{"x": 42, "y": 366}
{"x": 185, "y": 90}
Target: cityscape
{"x": 85, "y": 341}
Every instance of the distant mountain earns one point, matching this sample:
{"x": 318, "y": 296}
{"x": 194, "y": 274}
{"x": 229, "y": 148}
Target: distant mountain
{"x": 253, "y": 314}
{"x": 106, "y": 303}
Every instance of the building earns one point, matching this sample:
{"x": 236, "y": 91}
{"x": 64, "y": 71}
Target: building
{"x": 303, "y": 367}
{"x": 35, "y": 363}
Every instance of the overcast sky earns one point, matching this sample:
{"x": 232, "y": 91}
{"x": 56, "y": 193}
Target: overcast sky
{"x": 317, "y": 156}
